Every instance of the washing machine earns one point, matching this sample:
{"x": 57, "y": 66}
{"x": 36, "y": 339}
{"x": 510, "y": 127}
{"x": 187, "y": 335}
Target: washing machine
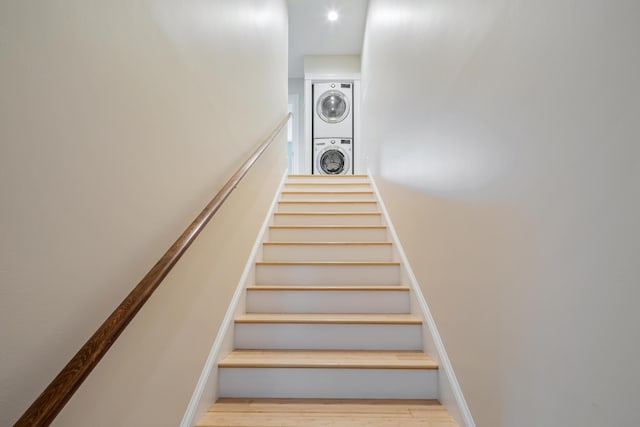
{"x": 333, "y": 110}
{"x": 332, "y": 156}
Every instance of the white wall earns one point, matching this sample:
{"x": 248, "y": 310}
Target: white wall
{"x": 331, "y": 64}
{"x": 296, "y": 87}
{"x": 119, "y": 121}
{"x": 505, "y": 138}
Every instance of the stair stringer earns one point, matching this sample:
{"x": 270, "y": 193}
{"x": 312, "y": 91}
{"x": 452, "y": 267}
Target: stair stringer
{"x": 450, "y": 393}
{"x": 206, "y": 390}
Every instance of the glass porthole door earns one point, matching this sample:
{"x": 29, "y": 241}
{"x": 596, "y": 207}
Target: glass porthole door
{"x": 332, "y": 162}
{"x": 333, "y": 106}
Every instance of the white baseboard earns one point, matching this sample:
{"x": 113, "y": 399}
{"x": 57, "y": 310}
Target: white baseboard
{"x": 451, "y": 395}
{"x": 206, "y": 391}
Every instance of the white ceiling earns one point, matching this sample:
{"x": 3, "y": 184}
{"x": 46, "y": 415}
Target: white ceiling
{"x": 310, "y": 33}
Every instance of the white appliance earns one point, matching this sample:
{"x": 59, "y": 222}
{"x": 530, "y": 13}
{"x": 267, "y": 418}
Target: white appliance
{"x": 333, "y": 110}
{"x": 332, "y": 156}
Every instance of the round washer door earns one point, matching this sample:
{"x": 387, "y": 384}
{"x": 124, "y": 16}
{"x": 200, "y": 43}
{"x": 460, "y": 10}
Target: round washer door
{"x": 333, "y": 161}
{"x": 333, "y": 106}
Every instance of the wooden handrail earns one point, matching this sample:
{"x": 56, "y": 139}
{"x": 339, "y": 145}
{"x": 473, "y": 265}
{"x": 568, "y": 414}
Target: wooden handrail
{"x": 51, "y": 401}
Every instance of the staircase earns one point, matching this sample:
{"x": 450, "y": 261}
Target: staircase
{"x": 328, "y": 337}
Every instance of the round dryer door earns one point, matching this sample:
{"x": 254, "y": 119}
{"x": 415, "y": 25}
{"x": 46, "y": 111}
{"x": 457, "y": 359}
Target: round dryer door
{"x": 333, "y": 106}
{"x": 333, "y": 162}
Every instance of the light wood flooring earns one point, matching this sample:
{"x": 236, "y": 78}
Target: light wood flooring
{"x": 326, "y": 413}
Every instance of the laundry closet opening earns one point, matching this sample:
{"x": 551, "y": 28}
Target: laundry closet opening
{"x": 325, "y": 42}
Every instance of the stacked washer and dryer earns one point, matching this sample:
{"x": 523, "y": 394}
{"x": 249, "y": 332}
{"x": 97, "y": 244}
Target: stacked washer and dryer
{"x": 333, "y": 152}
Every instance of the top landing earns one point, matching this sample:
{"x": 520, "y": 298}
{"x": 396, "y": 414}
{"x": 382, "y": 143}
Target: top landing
{"x": 347, "y": 179}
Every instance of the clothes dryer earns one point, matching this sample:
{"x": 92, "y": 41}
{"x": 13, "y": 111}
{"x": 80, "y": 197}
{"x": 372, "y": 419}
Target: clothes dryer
{"x": 332, "y": 156}
{"x": 333, "y": 110}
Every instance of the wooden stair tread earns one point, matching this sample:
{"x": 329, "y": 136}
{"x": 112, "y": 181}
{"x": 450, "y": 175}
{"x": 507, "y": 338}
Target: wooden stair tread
{"x": 276, "y": 243}
{"x": 336, "y": 359}
{"x": 363, "y": 286}
{"x": 329, "y": 183}
{"x": 328, "y": 176}
{"x": 315, "y": 405}
{"x": 327, "y": 201}
{"x": 330, "y": 226}
{"x": 327, "y": 288}
{"x": 325, "y": 192}
{"x": 328, "y": 213}
{"x": 327, "y": 263}
{"x": 236, "y": 412}
{"x": 330, "y": 318}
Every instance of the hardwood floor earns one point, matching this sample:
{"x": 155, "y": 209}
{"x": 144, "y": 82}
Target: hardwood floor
{"x": 326, "y": 413}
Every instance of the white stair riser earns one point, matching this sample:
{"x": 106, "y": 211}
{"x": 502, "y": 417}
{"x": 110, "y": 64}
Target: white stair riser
{"x": 327, "y": 207}
{"x": 327, "y": 275}
{"x": 327, "y": 253}
{"x": 328, "y": 234}
{"x": 278, "y": 301}
{"x": 327, "y": 197}
{"x": 328, "y": 383}
{"x": 290, "y": 186}
{"x": 328, "y": 219}
{"x": 283, "y": 336}
{"x": 324, "y": 179}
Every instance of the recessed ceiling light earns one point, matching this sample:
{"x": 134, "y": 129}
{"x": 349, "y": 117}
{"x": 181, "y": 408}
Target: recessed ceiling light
{"x": 332, "y": 15}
